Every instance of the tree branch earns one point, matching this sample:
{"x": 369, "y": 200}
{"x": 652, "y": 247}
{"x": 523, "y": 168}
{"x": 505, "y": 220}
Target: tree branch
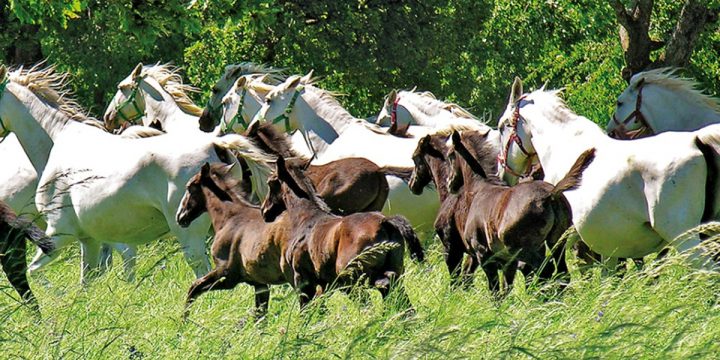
{"x": 693, "y": 17}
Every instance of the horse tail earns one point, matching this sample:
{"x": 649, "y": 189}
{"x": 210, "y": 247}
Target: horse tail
{"x": 711, "y": 157}
{"x": 573, "y": 177}
{"x": 370, "y": 258}
{"x": 400, "y": 172}
{"x": 402, "y": 225}
{"x": 38, "y": 238}
{"x": 140, "y": 132}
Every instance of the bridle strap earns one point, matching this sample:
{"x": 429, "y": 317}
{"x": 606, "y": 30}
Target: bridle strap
{"x": 393, "y": 112}
{"x": 238, "y": 118}
{"x": 285, "y": 116}
{"x": 131, "y": 100}
{"x": 645, "y": 127}
{"x": 502, "y": 161}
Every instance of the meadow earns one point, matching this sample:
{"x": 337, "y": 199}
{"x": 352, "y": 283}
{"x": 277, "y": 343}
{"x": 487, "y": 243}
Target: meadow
{"x": 663, "y": 309}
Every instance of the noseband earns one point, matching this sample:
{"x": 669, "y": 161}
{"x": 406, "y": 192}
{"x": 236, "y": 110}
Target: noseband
{"x": 502, "y": 160}
{"x": 621, "y": 130}
{"x": 238, "y": 118}
{"x": 285, "y": 116}
{"x": 131, "y": 100}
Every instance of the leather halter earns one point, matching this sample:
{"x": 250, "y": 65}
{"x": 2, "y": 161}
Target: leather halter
{"x": 238, "y": 116}
{"x": 393, "y": 112}
{"x": 285, "y": 116}
{"x": 622, "y": 132}
{"x": 502, "y": 160}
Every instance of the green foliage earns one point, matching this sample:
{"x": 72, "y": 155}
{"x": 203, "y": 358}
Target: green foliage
{"x": 463, "y": 51}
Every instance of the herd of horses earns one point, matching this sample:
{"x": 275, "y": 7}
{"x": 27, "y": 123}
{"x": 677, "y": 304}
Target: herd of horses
{"x": 298, "y": 191}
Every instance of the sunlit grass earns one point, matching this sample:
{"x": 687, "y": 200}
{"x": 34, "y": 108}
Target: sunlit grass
{"x": 666, "y": 309}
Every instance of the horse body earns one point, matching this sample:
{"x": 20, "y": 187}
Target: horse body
{"x": 636, "y": 197}
{"x": 128, "y": 192}
{"x": 332, "y": 133}
{"x": 18, "y": 178}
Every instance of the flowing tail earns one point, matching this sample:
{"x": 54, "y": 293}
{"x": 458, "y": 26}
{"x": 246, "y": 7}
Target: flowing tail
{"x": 36, "y": 236}
{"x": 408, "y": 233}
{"x": 710, "y": 154}
{"x": 573, "y": 177}
{"x": 400, "y": 172}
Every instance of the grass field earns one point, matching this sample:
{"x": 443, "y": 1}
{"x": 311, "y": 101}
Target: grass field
{"x": 663, "y": 310}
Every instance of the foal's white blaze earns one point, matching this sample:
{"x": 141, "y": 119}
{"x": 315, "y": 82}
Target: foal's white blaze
{"x": 635, "y": 197}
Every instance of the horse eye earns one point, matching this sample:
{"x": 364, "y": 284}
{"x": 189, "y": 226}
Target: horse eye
{"x": 215, "y": 90}
{"x": 619, "y": 103}
{"x": 268, "y": 101}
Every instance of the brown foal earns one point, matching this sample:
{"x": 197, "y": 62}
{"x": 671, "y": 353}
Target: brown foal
{"x": 328, "y": 250}
{"x": 347, "y": 185}
{"x": 510, "y": 224}
{"x": 13, "y": 232}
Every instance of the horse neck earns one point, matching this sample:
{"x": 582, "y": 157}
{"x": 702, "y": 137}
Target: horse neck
{"x": 668, "y": 110}
{"x": 301, "y": 210}
{"x": 440, "y": 170}
{"x": 412, "y": 104}
{"x": 323, "y": 128}
{"x": 168, "y": 113}
{"x": 221, "y": 211}
{"x": 36, "y": 124}
{"x": 559, "y": 137}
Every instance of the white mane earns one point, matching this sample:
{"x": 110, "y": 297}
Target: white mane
{"x": 327, "y": 107}
{"x": 52, "y": 87}
{"x": 665, "y": 77}
{"x": 168, "y": 77}
{"x": 427, "y": 102}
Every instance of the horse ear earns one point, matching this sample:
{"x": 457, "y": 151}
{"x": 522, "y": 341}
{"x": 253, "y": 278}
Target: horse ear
{"x": 517, "y": 90}
{"x": 205, "y": 170}
{"x": 240, "y": 82}
{"x": 392, "y": 96}
{"x": 137, "y": 71}
{"x": 306, "y": 79}
{"x": 236, "y": 71}
{"x": 293, "y": 82}
{"x": 235, "y": 170}
{"x": 425, "y": 142}
{"x": 545, "y": 84}
{"x": 466, "y": 155}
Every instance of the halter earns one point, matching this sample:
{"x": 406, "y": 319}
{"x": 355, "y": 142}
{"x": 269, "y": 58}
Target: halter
{"x": 131, "y": 100}
{"x": 502, "y": 160}
{"x": 393, "y": 112}
{"x": 285, "y": 116}
{"x": 238, "y": 116}
{"x": 622, "y": 132}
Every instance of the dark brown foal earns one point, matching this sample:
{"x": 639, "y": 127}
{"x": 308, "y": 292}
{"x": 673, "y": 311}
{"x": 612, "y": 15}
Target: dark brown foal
{"x": 347, "y": 185}
{"x": 246, "y": 248}
{"x": 328, "y": 250}
{"x": 13, "y": 232}
{"x": 510, "y": 224}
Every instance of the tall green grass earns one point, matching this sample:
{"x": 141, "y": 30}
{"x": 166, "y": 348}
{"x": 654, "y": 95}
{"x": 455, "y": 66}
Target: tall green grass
{"x": 665, "y": 309}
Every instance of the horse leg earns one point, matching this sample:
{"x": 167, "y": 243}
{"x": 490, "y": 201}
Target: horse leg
{"x": 469, "y": 267}
{"x": 90, "y": 265}
{"x": 491, "y": 268}
{"x": 12, "y": 258}
{"x": 129, "y": 256}
{"x": 509, "y": 271}
{"x": 192, "y": 242}
{"x": 262, "y": 299}
{"x": 106, "y": 257}
{"x": 217, "y": 279}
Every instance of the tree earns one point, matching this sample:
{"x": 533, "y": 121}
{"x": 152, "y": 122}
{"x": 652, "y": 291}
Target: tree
{"x": 695, "y": 17}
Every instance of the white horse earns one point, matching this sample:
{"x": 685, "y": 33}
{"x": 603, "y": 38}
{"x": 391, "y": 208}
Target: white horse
{"x": 155, "y": 96}
{"x": 335, "y": 134}
{"x": 403, "y": 109}
{"x": 99, "y": 188}
{"x": 212, "y": 114}
{"x": 636, "y": 196}
{"x": 656, "y": 101}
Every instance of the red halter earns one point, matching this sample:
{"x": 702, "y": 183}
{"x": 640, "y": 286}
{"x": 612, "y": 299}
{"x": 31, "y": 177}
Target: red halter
{"x": 393, "y": 112}
{"x": 621, "y": 131}
{"x": 502, "y": 160}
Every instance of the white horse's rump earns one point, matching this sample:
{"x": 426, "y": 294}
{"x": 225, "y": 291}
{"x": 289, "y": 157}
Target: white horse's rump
{"x": 635, "y": 198}
{"x": 96, "y": 187}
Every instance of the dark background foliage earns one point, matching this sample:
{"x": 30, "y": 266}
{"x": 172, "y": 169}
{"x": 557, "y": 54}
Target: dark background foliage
{"x": 467, "y": 51}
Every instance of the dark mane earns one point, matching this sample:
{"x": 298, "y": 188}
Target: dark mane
{"x": 236, "y": 188}
{"x": 482, "y": 150}
{"x": 296, "y": 168}
{"x": 272, "y": 141}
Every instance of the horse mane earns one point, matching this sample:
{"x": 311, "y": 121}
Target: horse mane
{"x": 554, "y": 101}
{"x": 277, "y": 142}
{"x": 257, "y": 160}
{"x": 167, "y": 75}
{"x": 483, "y": 152}
{"x": 52, "y": 86}
{"x": 429, "y": 104}
{"x": 447, "y": 130}
{"x": 667, "y": 78}
{"x": 234, "y": 71}
{"x": 328, "y": 107}
{"x": 231, "y": 184}
{"x": 295, "y": 168}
